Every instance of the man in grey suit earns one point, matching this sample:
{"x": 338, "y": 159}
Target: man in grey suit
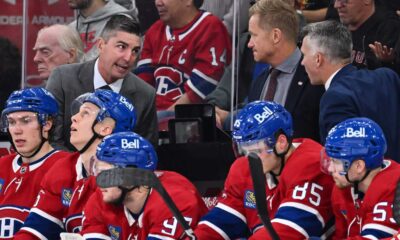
{"x": 118, "y": 46}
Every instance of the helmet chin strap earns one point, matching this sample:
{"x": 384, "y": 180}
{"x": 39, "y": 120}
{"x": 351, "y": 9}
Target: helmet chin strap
{"x": 281, "y": 156}
{"x": 355, "y": 183}
{"x": 91, "y": 140}
{"x": 42, "y": 141}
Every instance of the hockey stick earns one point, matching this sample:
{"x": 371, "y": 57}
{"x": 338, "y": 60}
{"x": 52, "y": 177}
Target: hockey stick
{"x": 396, "y": 204}
{"x": 127, "y": 177}
{"x": 258, "y": 178}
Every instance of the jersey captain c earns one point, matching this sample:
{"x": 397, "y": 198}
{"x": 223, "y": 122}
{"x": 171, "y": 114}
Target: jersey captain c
{"x": 108, "y": 221}
{"x": 64, "y": 191}
{"x": 299, "y": 205}
{"x": 371, "y": 217}
{"x": 19, "y": 186}
{"x": 187, "y": 60}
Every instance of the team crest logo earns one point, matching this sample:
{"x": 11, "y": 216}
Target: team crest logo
{"x": 1, "y": 184}
{"x": 114, "y": 231}
{"x": 66, "y": 196}
{"x": 250, "y": 199}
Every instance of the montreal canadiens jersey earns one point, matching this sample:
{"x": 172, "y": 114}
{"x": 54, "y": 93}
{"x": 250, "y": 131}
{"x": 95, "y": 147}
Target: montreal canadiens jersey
{"x": 371, "y": 216}
{"x": 187, "y": 60}
{"x": 156, "y": 221}
{"x": 19, "y": 186}
{"x": 64, "y": 192}
{"x": 299, "y": 205}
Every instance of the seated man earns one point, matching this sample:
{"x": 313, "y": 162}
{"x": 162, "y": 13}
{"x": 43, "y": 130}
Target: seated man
{"x": 66, "y": 187}
{"x": 138, "y": 212}
{"x": 184, "y": 54}
{"x": 56, "y": 45}
{"x": 365, "y": 182}
{"x": 28, "y": 118}
{"x": 298, "y": 193}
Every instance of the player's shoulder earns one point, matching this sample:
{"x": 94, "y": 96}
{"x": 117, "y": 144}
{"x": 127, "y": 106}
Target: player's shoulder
{"x": 63, "y": 170}
{"x": 8, "y": 159}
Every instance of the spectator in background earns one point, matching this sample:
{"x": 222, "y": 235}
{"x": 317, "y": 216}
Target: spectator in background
{"x": 350, "y": 92}
{"x": 223, "y": 9}
{"x": 119, "y": 47}
{"x": 184, "y": 53}
{"x": 91, "y": 20}
{"x": 10, "y": 69}
{"x": 374, "y": 32}
{"x": 56, "y": 45}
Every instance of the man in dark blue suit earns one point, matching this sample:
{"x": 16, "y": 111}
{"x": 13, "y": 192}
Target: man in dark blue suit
{"x": 350, "y": 92}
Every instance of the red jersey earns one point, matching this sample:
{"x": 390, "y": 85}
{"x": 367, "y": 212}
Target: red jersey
{"x": 19, "y": 187}
{"x": 64, "y": 192}
{"x": 371, "y": 216}
{"x": 298, "y": 205}
{"x": 156, "y": 221}
{"x": 187, "y": 60}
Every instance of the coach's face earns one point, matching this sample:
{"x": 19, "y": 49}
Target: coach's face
{"x": 261, "y": 41}
{"x": 311, "y": 62}
{"x": 117, "y": 55}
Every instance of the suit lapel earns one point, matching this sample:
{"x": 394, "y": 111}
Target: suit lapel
{"x": 85, "y": 76}
{"x": 128, "y": 85}
{"x": 299, "y": 82}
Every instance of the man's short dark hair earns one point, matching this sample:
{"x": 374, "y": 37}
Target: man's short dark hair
{"x": 120, "y": 22}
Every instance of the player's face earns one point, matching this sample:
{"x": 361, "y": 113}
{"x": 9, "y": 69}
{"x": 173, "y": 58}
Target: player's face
{"x": 261, "y": 41}
{"x": 310, "y": 62}
{"x": 117, "y": 55}
{"x": 112, "y": 194}
{"x": 337, "y": 171}
{"x": 49, "y": 53}
{"x": 170, "y": 11}
{"x": 265, "y": 153}
{"x": 82, "y": 122}
{"x": 350, "y": 11}
{"x": 79, "y": 4}
{"x": 24, "y": 128}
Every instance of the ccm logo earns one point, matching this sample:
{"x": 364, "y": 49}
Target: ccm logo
{"x": 126, "y": 144}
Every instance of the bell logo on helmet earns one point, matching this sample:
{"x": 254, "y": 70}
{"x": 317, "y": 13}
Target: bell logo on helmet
{"x": 261, "y": 117}
{"x": 126, "y": 103}
{"x": 350, "y": 132}
{"x": 237, "y": 123}
{"x": 126, "y": 144}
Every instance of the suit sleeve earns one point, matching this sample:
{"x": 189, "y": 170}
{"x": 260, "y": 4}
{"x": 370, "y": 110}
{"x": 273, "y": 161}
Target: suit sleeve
{"x": 54, "y": 85}
{"x": 335, "y": 108}
{"x": 45, "y": 219}
{"x": 227, "y": 220}
{"x": 212, "y": 54}
{"x": 93, "y": 227}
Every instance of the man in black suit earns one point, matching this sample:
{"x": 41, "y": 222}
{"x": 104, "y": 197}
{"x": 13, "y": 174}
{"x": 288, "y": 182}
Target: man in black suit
{"x": 350, "y": 92}
{"x": 274, "y": 33}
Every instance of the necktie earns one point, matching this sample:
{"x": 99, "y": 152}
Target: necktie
{"x": 273, "y": 82}
{"x": 105, "y": 87}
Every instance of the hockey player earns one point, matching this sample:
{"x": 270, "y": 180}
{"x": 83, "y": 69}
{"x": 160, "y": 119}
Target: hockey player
{"x": 28, "y": 118}
{"x": 66, "y": 187}
{"x": 298, "y": 193}
{"x": 365, "y": 182}
{"x": 138, "y": 212}
{"x": 184, "y": 53}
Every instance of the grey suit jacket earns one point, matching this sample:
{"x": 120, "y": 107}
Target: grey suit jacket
{"x": 71, "y": 80}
